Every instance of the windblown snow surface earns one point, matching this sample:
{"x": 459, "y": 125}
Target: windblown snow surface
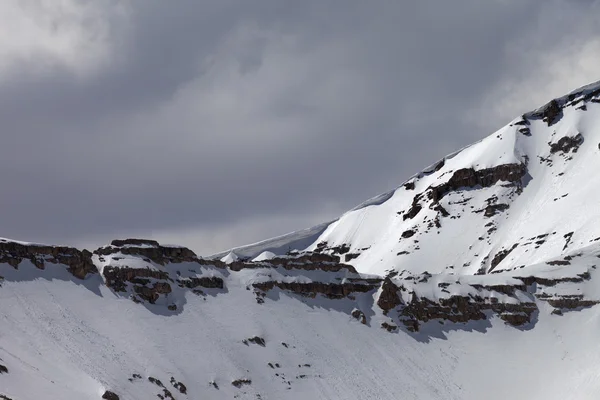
{"x": 475, "y": 279}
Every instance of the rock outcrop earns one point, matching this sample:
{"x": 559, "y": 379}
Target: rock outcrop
{"x": 79, "y": 262}
{"x": 150, "y": 250}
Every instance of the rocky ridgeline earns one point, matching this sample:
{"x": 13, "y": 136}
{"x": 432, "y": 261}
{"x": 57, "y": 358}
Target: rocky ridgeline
{"x": 78, "y": 262}
{"x": 147, "y": 271}
{"x": 149, "y": 250}
{"x": 459, "y": 302}
{"x": 150, "y": 273}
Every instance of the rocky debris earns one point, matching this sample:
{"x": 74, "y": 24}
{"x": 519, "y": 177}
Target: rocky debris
{"x": 408, "y": 234}
{"x": 500, "y": 256}
{"x": 155, "y": 381}
{"x": 179, "y": 386}
{"x": 493, "y": 209}
{"x": 79, "y": 262}
{"x": 462, "y": 309}
{"x": 470, "y": 178}
{"x": 551, "y": 113}
{"x": 568, "y": 302}
{"x": 467, "y": 178}
{"x": 505, "y": 289}
{"x": 209, "y": 282}
{"x": 413, "y": 210}
{"x": 108, "y": 395}
{"x": 567, "y": 144}
{"x": 256, "y": 340}
{"x": 238, "y": 383}
{"x": 389, "y": 327}
{"x": 149, "y": 249}
{"x": 558, "y": 262}
{"x": 568, "y": 237}
{"x": 307, "y": 261}
{"x": 530, "y": 280}
{"x": 117, "y": 278}
{"x": 351, "y": 256}
{"x": 389, "y": 297}
{"x": 166, "y": 395}
{"x": 341, "y": 249}
{"x": 329, "y": 290}
{"x": 152, "y": 294}
{"x": 359, "y": 315}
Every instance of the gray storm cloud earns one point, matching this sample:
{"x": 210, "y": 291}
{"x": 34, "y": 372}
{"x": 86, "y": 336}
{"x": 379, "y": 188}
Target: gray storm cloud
{"x": 215, "y": 123}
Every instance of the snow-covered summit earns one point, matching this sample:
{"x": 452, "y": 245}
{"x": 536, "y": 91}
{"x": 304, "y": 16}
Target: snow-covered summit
{"x": 477, "y": 210}
{"x": 475, "y": 278}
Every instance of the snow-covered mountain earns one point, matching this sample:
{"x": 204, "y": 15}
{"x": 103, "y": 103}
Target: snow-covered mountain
{"x": 475, "y": 278}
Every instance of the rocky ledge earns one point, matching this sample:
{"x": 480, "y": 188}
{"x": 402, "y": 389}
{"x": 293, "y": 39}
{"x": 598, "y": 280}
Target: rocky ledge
{"x": 149, "y": 250}
{"x": 160, "y": 276}
{"x": 79, "y": 262}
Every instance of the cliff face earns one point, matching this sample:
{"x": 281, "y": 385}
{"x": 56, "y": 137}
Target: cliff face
{"x": 160, "y": 277}
{"x": 79, "y": 263}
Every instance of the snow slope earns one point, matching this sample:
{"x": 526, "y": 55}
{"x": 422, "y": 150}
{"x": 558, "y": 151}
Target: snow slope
{"x": 476, "y": 278}
{"x": 552, "y": 197}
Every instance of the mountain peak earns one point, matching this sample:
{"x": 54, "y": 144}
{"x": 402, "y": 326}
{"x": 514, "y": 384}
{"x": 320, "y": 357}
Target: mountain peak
{"x": 390, "y": 300}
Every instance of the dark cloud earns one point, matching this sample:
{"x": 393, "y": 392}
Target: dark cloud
{"x": 206, "y": 117}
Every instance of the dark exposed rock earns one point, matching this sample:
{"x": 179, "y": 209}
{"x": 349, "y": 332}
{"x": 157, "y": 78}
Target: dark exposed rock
{"x": 79, "y": 263}
{"x": 389, "y": 297}
{"x": 179, "y": 386}
{"x": 409, "y": 185}
{"x": 570, "y": 302}
{"x": 462, "y": 309}
{"x": 389, "y": 327}
{"x": 506, "y": 289}
{"x": 568, "y": 237}
{"x": 551, "y": 113}
{"x": 360, "y": 316}
{"x": 567, "y": 144}
{"x": 151, "y": 294}
{"x": 500, "y": 256}
{"x": 330, "y": 290}
{"x": 3, "y": 369}
{"x": 558, "y": 262}
{"x": 211, "y": 282}
{"x": 149, "y": 249}
{"x": 238, "y": 383}
{"x": 108, "y": 395}
{"x": 256, "y": 340}
{"x": 341, "y": 249}
{"x": 309, "y": 261}
{"x": 117, "y": 277}
{"x": 156, "y": 381}
{"x": 494, "y": 209}
{"x": 351, "y": 256}
{"x": 408, "y": 233}
{"x": 470, "y": 178}
{"x": 134, "y": 242}
{"x": 530, "y": 280}
{"x": 413, "y": 211}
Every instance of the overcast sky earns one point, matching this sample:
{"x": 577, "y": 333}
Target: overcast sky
{"x": 218, "y": 123}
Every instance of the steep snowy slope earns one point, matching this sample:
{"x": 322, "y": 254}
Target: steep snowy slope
{"x": 158, "y": 322}
{"x": 477, "y": 278}
{"x": 528, "y": 189}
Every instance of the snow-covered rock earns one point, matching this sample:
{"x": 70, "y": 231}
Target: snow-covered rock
{"x": 475, "y": 278}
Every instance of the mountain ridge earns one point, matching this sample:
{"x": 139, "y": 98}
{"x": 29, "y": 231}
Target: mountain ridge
{"x": 475, "y": 278}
